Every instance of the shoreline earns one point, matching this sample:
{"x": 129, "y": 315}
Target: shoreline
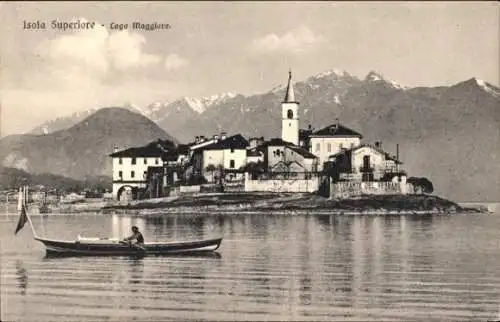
{"x": 276, "y": 203}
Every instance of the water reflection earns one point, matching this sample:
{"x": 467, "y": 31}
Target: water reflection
{"x": 22, "y": 277}
{"x": 273, "y": 268}
{"x": 136, "y": 272}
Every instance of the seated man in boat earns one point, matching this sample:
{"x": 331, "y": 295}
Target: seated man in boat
{"x": 136, "y": 235}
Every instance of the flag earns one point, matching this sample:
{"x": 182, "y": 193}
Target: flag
{"x": 22, "y": 219}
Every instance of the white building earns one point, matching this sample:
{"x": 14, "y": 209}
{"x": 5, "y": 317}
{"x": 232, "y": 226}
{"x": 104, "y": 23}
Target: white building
{"x": 130, "y": 166}
{"x": 332, "y": 139}
{"x": 367, "y": 163}
{"x": 229, "y": 153}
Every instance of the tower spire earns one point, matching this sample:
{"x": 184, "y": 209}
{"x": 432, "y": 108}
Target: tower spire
{"x": 290, "y": 96}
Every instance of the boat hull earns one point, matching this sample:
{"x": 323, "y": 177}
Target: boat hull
{"x": 113, "y": 248}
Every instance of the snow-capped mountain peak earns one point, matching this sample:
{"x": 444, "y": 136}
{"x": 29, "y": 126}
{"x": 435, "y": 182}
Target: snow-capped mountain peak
{"x": 377, "y": 77}
{"x": 373, "y": 77}
{"x": 487, "y": 87}
{"x": 200, "y": 105}
{"x": 330, "y": 72}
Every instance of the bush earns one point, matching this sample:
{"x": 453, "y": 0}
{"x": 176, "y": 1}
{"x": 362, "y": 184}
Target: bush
{"x": 195, "y": 180}
{"x": 423, "y": 185}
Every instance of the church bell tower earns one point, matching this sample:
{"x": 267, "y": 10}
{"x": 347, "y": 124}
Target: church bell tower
{"x": 290, "y": 115}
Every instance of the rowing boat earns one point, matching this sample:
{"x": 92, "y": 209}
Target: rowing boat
{"x": 113, "y": 247}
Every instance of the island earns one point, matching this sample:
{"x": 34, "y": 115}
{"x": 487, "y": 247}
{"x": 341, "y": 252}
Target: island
{"x": 276, "y": 203}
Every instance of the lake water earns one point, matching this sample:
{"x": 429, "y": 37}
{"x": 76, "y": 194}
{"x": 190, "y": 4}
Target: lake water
{"x": 294, "y": 268}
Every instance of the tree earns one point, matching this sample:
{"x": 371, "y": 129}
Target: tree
{"x": 422, "y": 185}
{"x": 211, "y": 168}
{"x": 254, "y": 168}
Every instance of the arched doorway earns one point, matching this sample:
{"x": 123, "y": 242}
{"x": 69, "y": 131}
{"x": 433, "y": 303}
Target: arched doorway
{"x": 127, "y": 193}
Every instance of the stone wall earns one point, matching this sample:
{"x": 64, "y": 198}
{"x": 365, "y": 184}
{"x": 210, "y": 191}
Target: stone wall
{"x": 349, "y": 189}
{"x": 290, "y": 185}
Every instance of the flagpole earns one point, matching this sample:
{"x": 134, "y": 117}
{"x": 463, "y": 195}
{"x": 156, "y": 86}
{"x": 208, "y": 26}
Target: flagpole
{"x": 25, "y": 200}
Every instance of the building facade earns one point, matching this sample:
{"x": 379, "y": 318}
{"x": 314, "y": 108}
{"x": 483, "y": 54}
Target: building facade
{"x": 366, "y": 163}
{"x": 229, "y": 154}
{"x": 331, "y": 140}
{"x": 131, "y": 167}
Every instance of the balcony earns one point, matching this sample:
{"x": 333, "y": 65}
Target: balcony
{"x": 394, "y": 170}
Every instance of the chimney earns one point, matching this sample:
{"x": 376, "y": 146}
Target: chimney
{"x": 309, "y": 127}
{"x": 378, "y": 144}
{"x": 216, "y": 137}
{"x": 202, "y": 139}
{"x": 115, "y": 149}
{"x": 223, "y": 135}
{"x": 197, "y": 140}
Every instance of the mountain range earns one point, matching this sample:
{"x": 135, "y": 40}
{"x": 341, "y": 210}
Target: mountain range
{"x": 80, "y": 151}
{"x": 449, "y": 134}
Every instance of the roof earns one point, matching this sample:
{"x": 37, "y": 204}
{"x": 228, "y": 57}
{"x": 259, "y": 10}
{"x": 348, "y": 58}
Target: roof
{"x": 349, "y": 151}
{"x": 336, "y": 130}
{"x": 290, "y": 95}
{"x": 164, "y": 149}
{"x": 253, "y": 153}
{"x": 297, "y": 149}
{"x": 183, "y": 149}
{"x": 303, "y": 152}
{"x": 233, "y": 142}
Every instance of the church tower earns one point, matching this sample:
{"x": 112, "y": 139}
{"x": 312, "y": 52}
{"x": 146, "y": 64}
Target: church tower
{"x": 290, "y": 115}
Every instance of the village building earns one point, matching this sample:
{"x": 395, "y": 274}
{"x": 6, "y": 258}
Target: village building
{"x": 285, "y": 157}
{"x": 134, "y": 168}
{"x": 228, "y": 154}
{"x": 330, "y": 140}
{"x": 365, "y": 163}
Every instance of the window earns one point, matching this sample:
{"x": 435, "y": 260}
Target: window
{"x": 329, "y": 147}
{"x": 366, "y": 161}
{"x": 145, "y": 160}
{"x": 157, "y": 161}
{"x": 289, "y": 114}
{"x": 145, "y": 174}
{"x": 134, "y": 161}
{"x": 232, "y": 150}
{"x": 289, "y": 124}
{"x": 120, "y": 174}
{"x": 120, "y": 161}
{"x": 132, "y": 174}
{"x": 317, "y": 147}
{"x": 231, "y": 164}
{"x": 341, "y": 146}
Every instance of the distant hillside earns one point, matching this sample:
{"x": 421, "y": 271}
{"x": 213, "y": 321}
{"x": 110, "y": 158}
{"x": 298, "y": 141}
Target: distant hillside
{"x": 12, "y": 179}
{"x": 81, "y": 150}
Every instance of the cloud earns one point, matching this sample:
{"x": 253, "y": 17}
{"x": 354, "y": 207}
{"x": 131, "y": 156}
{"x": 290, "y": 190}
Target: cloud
{"x": 125, "y": 50}
{"x": 297, "y": 41}
{"x": 174, "y": 61}
{"x": 81, "y": 70}
{"x": 97, "y": 50}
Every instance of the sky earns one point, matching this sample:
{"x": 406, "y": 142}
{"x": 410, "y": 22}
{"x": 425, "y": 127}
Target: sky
{"x": 218, "y": 47}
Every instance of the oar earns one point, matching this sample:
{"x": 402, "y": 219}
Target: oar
{"x": 133, "y": 245}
